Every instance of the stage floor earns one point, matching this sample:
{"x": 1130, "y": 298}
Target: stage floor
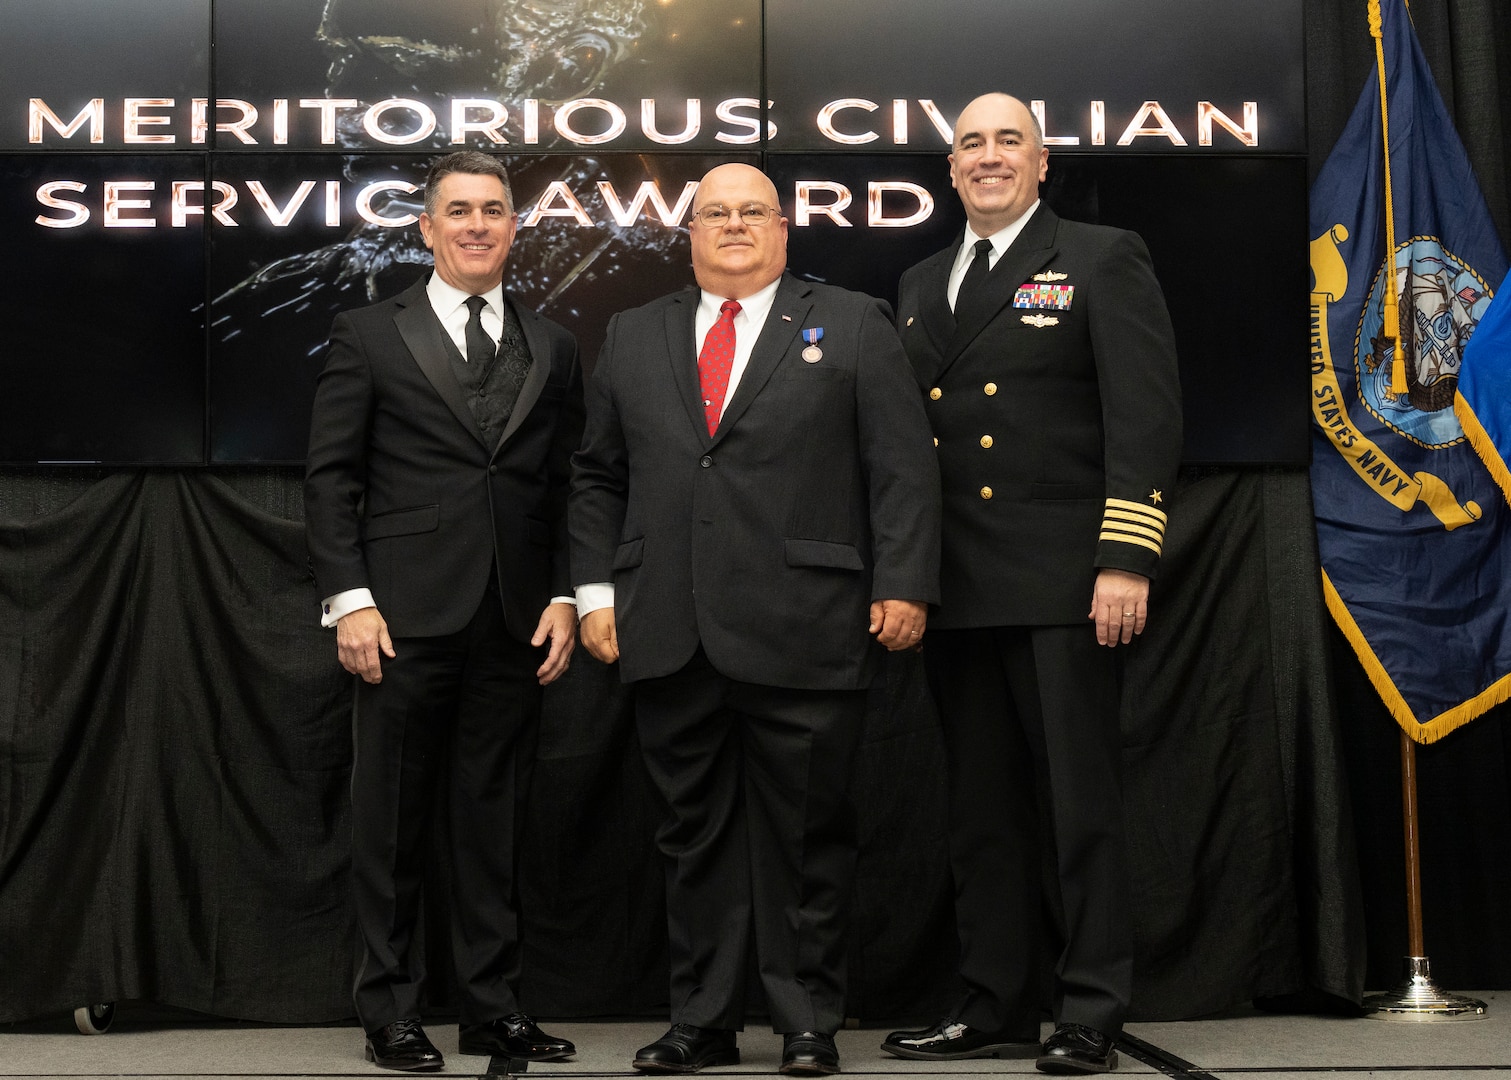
{"x": 144, "y": 1042}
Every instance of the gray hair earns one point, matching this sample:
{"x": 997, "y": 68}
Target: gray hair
{"x": 464, "y": 161}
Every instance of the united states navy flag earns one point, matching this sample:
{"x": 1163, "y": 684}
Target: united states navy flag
{"x": 1413, "y": 531}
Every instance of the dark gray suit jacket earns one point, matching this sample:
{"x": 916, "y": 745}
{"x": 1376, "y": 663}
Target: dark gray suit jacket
{"x": 767, "y": 542}
{"x": 1059, "y": 427}
{"x": 403, "y": 497}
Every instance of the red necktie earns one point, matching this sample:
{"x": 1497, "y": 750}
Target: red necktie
{"x": 715, "y": 362}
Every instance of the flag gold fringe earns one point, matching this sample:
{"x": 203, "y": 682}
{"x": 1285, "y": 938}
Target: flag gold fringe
{"x": 1483, "y": 445}
{"x": 1439, "y": 725}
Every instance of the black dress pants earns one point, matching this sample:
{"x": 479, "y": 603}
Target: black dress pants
{"x": 1030, "y": 717}
{"x": 759, "y": 842}
{"x": 465, "y": 705}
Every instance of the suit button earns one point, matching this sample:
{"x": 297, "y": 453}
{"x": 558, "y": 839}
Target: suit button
{"x": 935, "y": 394}
{"x": 707, "y": 462}
{"x": 986, "y": 442}
{"x": 492, "y": 470}
{"x": 986, "y": 493}
{"x": 990, "y": 388}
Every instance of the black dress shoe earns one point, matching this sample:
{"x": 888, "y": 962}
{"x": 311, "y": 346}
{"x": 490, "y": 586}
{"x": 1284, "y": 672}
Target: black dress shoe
{"x": 514, "y": 1036}
{"x": 686, "y": 1049}
{"x": 809, "y": 1053}
{"x": 1076, "y": 1048}
{"x": 950, "y": 1040}
{"x": 403, "y": 1045}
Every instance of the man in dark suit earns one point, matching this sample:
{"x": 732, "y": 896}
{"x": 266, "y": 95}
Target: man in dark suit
{"x": 435, "y": 500}
{"x": 754, "y": 519}
{"x": 1048, "y": 361}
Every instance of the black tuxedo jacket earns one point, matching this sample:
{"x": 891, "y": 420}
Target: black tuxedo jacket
{"x": 403, "y": 497}
{"x": 1058, "y": 415}
{"x": 766, "y": 542}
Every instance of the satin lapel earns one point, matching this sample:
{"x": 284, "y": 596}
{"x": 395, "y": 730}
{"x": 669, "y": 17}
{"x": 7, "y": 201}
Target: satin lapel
{"x": 540, "y": 368}
{"x": 682, "y": 355}
{"x": 789, "y": 307}
{"x": 1030, "y": 252}
{"x": 425, "y": 337}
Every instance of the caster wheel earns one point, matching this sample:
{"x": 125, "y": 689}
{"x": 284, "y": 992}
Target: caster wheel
{"x": 94, "y": 1019}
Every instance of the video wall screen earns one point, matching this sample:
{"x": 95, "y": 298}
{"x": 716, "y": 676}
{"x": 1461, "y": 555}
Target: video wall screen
{"x": 103, "y": 356}
{"x": 597, "y": 234}
{"x": 217, "y": 216}
{"x": 1185, "y": 76}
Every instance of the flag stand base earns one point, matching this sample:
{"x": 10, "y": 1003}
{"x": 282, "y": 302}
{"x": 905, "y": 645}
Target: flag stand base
{"x": 1418, "y": 999}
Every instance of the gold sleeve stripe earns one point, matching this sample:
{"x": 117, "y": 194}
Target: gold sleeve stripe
{"x": 1124, "y": 538}
{"x": 1138, "y": 508}
{"x": 1142, "y": 520}
{"x": 1116, "y": 527}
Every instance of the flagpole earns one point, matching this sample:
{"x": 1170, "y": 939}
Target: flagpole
{"x": 1417, "y": 997}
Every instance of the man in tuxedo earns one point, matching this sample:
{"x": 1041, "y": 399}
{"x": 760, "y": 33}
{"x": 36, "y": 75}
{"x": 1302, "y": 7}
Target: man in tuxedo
{"x": 1047, "y": 359}
{"x": 754, "y": 522}
{"x": 435, "y": 501}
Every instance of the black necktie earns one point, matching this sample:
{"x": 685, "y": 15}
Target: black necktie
{"x": 480, "y": 347}
{"x": 973, "y": 285}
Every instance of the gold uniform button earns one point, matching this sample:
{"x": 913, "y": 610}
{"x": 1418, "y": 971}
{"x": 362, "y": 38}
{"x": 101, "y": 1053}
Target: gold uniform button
{"x": 986, "y": 493}
{"x": 936, "y": 393}
{"x": 986, "y": 442}
{"x": 936, "y": 441}
{"x": 990, "y": 388}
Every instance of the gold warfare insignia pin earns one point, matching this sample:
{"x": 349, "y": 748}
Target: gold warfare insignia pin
{"x": 1050, "y": 275}
{"x": 1041, "y": 320}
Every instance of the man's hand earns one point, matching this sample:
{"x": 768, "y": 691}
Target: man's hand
{"x": 898, "y": 624}
{"x": 558, "y": 625}
{"x": 1120, "y": 606}
{"x": 360, "y": 635}
{"x": 599, "y": 634}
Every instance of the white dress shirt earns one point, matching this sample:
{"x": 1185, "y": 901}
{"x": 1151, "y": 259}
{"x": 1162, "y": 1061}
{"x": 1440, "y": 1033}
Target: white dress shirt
{"x": 1001, "y": 240}
{"x": 450, "y": 306}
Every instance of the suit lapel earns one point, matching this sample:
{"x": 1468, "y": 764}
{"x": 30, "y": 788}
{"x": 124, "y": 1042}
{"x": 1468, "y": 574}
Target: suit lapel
{"x": 540, "y": 368}
{"x": 934, "y": 307}
{"x": 682, "y": 355}
{"x": 1030, "y": 252}
{"x": 424, "y": 336}
{"x": 789, "y": 307}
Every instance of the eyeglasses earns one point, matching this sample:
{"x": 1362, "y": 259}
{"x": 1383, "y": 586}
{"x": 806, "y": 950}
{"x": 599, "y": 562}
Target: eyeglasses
{"x": 715, "y": 216}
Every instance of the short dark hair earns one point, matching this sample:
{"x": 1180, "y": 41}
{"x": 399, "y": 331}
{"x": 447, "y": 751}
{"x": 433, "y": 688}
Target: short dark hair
{"x": 464, "y": 161}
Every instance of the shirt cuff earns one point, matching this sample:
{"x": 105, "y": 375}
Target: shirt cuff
{"x": 333, "y": 608}
{"x": 594, "y": 595}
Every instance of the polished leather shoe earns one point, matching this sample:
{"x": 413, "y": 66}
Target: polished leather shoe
{"x": 686, "y": 1049}
{"x": 950, "y": 1040}
{"x": 1076, "y": 1048}
{"x": 514, "y": 1036}
{"x": 809, "y": 1053}
{"x": 403, "y": 1045}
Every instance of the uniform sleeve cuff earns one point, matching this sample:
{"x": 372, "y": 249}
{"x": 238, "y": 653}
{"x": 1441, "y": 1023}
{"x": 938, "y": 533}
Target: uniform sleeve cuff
{"x": 1127, "y": 522}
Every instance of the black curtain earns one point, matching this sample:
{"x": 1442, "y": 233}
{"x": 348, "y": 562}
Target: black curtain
{"x": 174, "y": 755}
{"x": 174, "y": 741}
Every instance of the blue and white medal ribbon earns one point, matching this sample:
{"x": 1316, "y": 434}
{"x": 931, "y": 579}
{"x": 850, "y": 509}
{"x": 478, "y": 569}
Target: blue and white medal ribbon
{"x": 813, "y": 354}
